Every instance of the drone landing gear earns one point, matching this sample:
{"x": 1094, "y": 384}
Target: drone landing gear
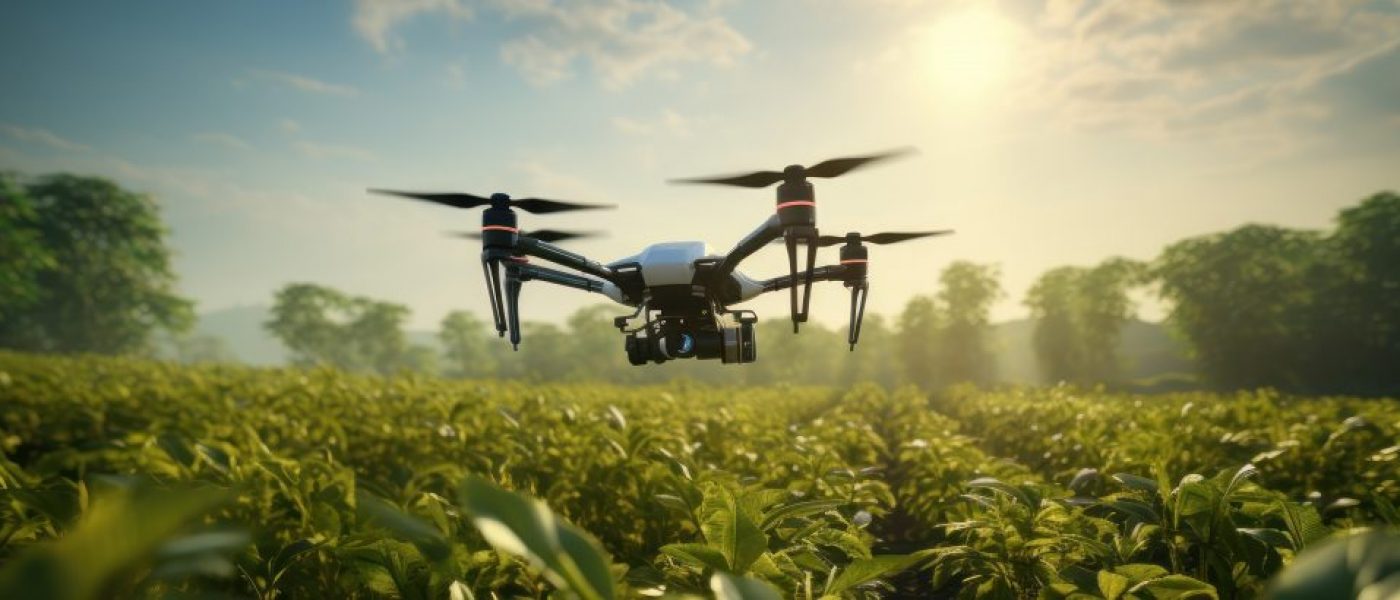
{"x": 793, "y": 237}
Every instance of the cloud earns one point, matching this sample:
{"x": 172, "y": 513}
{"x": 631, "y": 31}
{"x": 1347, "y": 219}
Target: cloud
{"x": 323, "y": 151}
{"x": 306, "y": 84}
{"x": 289, "y": 126}
{"x": 620, "y": 41}
{"x": 375, "y": 20}
{"x": 226, "y": 140}
{"x": 1252, "y": 69}
{"x": 42, "y": 137}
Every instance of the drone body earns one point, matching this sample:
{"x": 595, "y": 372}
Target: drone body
{"x": 681, "y": 292}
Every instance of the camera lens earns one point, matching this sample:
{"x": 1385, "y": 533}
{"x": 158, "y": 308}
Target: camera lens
{"x": 687, "y": 344}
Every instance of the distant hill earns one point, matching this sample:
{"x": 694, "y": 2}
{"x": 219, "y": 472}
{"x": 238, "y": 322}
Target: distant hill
{"x": 1148, "y": 351}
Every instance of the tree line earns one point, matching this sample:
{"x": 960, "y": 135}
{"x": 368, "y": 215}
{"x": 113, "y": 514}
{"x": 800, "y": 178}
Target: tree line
{"x": 84, "y": 267}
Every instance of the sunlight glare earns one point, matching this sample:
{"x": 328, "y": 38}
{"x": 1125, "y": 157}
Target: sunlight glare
{"x": 969, "y": 53}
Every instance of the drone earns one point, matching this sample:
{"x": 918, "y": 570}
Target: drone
{"x": 682, "y": 292}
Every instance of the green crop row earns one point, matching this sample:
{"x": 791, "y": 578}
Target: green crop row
{"x": 124, "y": 478}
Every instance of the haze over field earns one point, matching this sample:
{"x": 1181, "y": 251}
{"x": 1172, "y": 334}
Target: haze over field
{"x": 1051, "y": 133}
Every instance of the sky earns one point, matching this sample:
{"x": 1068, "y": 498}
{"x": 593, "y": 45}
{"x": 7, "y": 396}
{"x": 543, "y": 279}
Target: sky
{"x": 1049, "y": 133}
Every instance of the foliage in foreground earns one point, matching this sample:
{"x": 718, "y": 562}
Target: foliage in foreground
{"x": 131, "y": 479}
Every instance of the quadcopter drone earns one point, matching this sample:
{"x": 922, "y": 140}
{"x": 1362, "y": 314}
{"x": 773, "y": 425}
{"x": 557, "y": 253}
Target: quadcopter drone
{"x": 682, "y": 292}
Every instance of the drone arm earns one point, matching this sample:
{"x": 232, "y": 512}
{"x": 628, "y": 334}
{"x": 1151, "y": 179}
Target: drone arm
{"x": 827, "y": 273}
{"x": 560, "y": 256}
{"x": 770, "y": 230}
{"x": 588, "y": 284}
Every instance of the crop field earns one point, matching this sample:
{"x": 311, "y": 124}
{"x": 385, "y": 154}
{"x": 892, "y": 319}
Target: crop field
{"x": 124, "y": 478}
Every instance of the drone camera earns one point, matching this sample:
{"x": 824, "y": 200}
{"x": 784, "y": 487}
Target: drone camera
{"x": 670, "y": 339}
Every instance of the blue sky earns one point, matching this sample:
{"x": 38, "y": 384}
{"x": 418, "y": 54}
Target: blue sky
{"x": 1050, "y": 133}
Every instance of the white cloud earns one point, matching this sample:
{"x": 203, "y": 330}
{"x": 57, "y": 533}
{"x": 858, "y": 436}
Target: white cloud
{"x": 1214, "y": 70}
{"x": 620, "y": 41}
{"x": 42, "y": 137}
{"x": 226, "y": 140}
{"x": 289, "y": 126}
{"x": 306, "y": 84}
{"x": 323, "y": 151}
{"x": 375, "y": 19}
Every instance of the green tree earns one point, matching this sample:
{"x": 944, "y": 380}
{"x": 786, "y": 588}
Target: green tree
{"x": 963, "y": 351}
{"x": 919, "y": 325}
{"x": 99, "y": 279}
{"x": 464, "y": 341}
{"x": 1356, "y": 320}
{"x": 23, "y": 256}
{"x": 321, "y": 325}
{"x": 1053, "y": 303}
{"x": 1242, "y": 299}
{"x": 1079, "y": 316}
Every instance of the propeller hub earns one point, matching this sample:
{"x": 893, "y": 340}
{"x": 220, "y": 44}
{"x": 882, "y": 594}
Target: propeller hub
{"x": 499, "y": 200}
{"x": 795, "y": 173}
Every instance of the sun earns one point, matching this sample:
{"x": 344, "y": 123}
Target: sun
{"x": 969, "y": 53}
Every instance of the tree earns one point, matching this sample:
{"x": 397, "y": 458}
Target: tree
{"x": 1057, "y": 342}
{"x": 464, "y": 338}
{"x": 23, "y": 256}
{"x": 963, "y": 348}
{"x": 323, "y": 326}
{"x": 1242, "y": 299}
{"x": 919, "y": 327}
{"x": 105, "y": 285}
{"x": 1079, "y": 314}
{"x": 1359, "y": 301}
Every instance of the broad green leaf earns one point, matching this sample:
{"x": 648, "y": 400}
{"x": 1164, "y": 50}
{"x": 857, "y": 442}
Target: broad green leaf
{"x": 799, "y": 509}
{"x": 109, "y": 545}
{"x": 1176, "y": 586}
{"x": 416, "y": 531}
{"x": 732, "y": 587}
{"x": 1138, "y": 572}
{"x": 730, "y": 529}
{"x": 870, "y": 569}
{"x": 1136, "y": 482}
{"x": 698, "y": 555}
{"x": 995, "y": 484}
{"x": 525, "y": 527}
{"x": 1112, "y": 585}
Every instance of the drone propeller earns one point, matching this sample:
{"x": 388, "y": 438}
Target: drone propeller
{"x": 537, "y": 206}
{"x": 543, "y": 235}
{"x": 826, "y": 169}
{"x": 878, "y": 239}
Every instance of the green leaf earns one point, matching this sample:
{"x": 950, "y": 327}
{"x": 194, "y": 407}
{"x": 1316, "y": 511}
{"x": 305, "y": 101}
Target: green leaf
{"x": 123, "y": 531}
{"x": 1176, "y": 586}
{"x": 1112, "y": 585}
{"x": 730, "y": 529}
{"x": 995, "y": 484}
{"x": 525, "y": 527}
{"x": 798, "y": 510}
{"x": 416, "y": 531}
{"x": 870, "y": 569}
{"x": 1136, "y": 482}
{"x": 698, "y": 555}
{"x": 1138, "y": 572}
{"x": 731, "y": 587}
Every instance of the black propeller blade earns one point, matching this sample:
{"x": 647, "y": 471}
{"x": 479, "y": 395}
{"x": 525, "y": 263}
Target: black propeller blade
{"x": 531, "y": 205}
{"x": 828, "y": 168}
{"x": 879, "y": 239}
{"x": 543, "y": 235}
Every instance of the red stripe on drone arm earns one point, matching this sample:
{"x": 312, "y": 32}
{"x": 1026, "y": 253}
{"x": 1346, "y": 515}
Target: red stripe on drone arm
{"x": 796, "y": 203}
{"x": 499, "y": 228}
